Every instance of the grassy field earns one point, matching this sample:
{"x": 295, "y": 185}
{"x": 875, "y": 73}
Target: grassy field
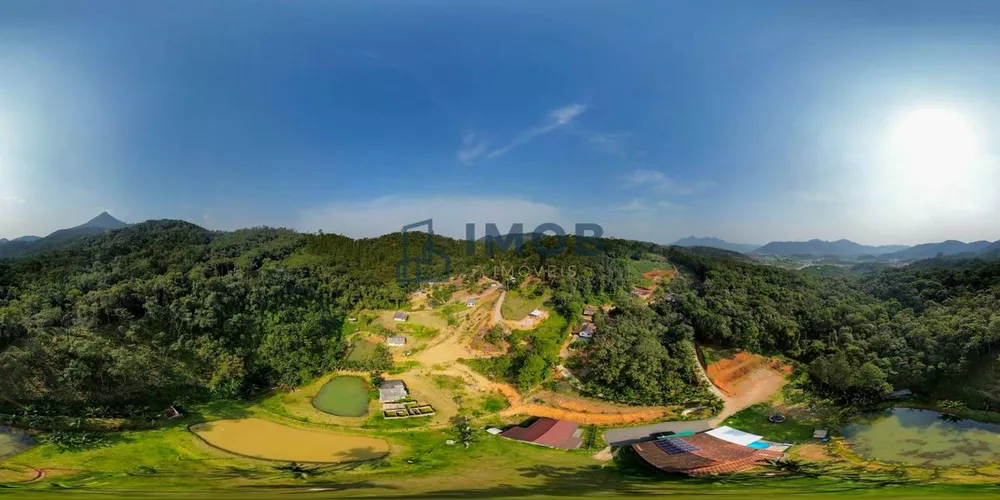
{"x": 755, "y": 421}
{"x": 420, "y": 332}
{"x": 519, "y": 303}
{"x": 172, "y": 462}
{"x": 644, "y": 266}
{"x": 362, "y": 351}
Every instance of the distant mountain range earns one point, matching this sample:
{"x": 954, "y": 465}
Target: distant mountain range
{"x": 839, "y": 248}
{"x": 694, "y": 241}
{"x": 930, "y": 250}
{"x": 27, "y": 244}
{"x": 848, "y": 248}
{"x": 812, "y": 248}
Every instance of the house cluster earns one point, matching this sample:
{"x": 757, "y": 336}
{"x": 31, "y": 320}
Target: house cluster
{"x": 396, "y": 402}
{"x": 587, "y": 329}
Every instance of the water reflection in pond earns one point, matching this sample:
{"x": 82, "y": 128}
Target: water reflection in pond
{"x": 925, "y": 438}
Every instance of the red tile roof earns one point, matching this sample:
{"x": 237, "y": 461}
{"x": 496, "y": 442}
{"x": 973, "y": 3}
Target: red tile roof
{"x": 547, "y": 432}
{"x": 710, "y": 456}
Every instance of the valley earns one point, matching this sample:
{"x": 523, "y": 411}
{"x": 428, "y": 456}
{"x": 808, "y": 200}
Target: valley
{"x": 469, "y": 351}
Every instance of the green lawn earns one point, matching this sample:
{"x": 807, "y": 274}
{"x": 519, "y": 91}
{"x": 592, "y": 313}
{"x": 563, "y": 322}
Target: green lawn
{"x": 519, "y": 303}
{"x": 173, "y": 462}
{"x": 363, "y": 350}
{"x": 755, "y": 421}
{"x": 644, "y": 266}
{"x": 404, "y": 366}
{"x": 417, "y": 331}
{"x": 451, "y": 309}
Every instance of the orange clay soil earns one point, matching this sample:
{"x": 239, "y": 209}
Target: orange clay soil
{"x": 730, "y": 373}
{"x": 587, "y": 411}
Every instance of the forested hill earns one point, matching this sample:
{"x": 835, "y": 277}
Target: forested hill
{"x": 163, "y": 310}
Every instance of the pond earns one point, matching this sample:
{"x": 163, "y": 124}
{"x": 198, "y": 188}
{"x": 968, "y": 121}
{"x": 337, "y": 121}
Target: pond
{"x": 259, "y": 438}
{"x": 924, "y": 438}
{"x": 13, "y": 441}
{"x": 344, "y": 396}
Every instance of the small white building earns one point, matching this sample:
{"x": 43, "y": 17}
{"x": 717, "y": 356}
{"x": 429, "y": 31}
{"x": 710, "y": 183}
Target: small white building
{"x": 400, "y": 316}
{"x": 587, "y": 330}
{"x": 396, "y": 341}
{"x": 391, "y": 391}
{"x": 470, "y": 302}
{"x": 536, "y": 313}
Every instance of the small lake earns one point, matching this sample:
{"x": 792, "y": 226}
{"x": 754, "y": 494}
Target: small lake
{"x": 924, "y": 438}
{"x": 345, "y": 396}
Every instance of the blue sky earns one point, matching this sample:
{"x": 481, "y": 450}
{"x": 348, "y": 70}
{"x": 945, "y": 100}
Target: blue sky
{"x": 751, "y": 121}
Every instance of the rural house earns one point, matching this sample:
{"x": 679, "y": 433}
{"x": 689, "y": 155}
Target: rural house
{"x": 589, "y": 310}
{"x": 547, "y": 432}
{"x": 587, "y": 330}
{"x": 470, "y": 303}
{"x": 536, "y": 313}
{"x": 396, "y": 341}
{"x": 400, "y": 316}
{"x": 391, "y": 391}
{"x": 718, "y": 451}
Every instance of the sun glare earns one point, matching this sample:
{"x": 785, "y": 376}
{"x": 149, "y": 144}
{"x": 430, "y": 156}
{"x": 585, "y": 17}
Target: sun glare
{"x": 934, "y": 163}
{"x": 932, "y": 137}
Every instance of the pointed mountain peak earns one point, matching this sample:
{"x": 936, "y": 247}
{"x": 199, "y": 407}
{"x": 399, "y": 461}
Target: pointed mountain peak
{"x": 104, "y": 221}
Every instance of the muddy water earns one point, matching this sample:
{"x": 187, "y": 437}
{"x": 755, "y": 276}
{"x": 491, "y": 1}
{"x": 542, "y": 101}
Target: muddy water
{"x": 259, "y": 438}
{"x": 925, "y": 438}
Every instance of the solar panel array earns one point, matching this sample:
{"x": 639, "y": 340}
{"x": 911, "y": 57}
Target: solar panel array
{"x": 674, "y": 446}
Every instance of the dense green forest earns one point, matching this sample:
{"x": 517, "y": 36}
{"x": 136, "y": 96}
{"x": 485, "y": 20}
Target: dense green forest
{"x": 166, "y": 310}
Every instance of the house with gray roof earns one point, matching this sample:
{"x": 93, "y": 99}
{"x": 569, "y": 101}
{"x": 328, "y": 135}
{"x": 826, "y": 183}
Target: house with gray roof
{"x": 392, "y": 390}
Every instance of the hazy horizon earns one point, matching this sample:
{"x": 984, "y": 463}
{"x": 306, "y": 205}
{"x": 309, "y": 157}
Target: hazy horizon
{"x": 751, "y": 122}
{"x": 480, "y": 232}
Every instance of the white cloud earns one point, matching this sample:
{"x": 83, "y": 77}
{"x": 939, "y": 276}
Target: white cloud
{"x": 554, "y": 120}
{"x": 11, "y": 200}
{"x": 375, "y": 217}
{"x": 472, "y": 148}
{"x": 633, "y": 206}
{"x": 609, "y": 142}
{"x": 654, "y": 179}
{"x": 637, "y": 206}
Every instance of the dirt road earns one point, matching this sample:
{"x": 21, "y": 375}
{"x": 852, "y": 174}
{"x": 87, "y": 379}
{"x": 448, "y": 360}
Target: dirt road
{"x": 497, "y": 310}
